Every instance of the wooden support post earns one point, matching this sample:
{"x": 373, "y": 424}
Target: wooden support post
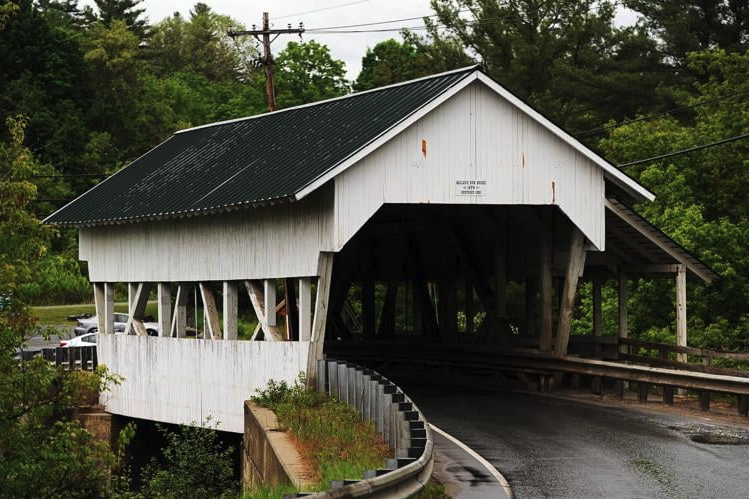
{"x": 531, "y": 286}
{"x": 448, "y": 312}
{"x": 210, "y": 312}
{"x": 165, "y": 308}
{"x": 104, "y": 299}
{"x": 305, "y": 309}
{"x": 705, "y": 400}
{"x": 545, "y": 340}
{"x": 642, "y": 391}
{"x": 269, "y": 291}
{"x": 575, "y": 264}
{"x": 668, "y": 394}
{"x": 257, "y": 297}
{"x": 418, "y": 326}
{"x": 230, "y": 310}
{"x": 618, "y": 388}
{"x": 179, "y": 319}
{"x": 623, "y": 331}
{"x": 387, "y": 315}
{"x": 681, "y": 311}
{"x": 292, "y": 319}
{"x": 596, "y": 385}
{"x": 743, "y": 405}
{"x": 325, "y": 270}
{"x": 140, "y": 300}
{"x": 132, "y": 288}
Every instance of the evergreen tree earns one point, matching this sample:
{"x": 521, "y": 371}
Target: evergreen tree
{"x": 128, "y": 11}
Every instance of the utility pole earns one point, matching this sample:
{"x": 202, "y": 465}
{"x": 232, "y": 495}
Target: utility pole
{"x": 266, "y": 40}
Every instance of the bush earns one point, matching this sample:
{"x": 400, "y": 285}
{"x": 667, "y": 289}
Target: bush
{"x": 194, "y": 464}
{"x": 58, "y": 280}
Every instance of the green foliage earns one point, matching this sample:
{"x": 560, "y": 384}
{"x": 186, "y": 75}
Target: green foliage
{"x": 194, "y": 464}
{"x": 330, "y": 432}
{"x": 306, "y": 72}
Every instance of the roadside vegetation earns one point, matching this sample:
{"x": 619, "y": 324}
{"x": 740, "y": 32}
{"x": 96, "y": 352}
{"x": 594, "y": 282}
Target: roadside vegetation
{"x": 329, "y": 433}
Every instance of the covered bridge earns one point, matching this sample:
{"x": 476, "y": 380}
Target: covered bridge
{"x": 407, "y": 211}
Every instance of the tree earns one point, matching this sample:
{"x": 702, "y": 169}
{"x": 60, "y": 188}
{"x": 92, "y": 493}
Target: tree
{"x": 685, "y": 26}
{"x": 391, "y": 61}
{"x": 700, "y": 201}
{"x": 128, "y": 11}
{"x": 306, "y": 72}
{"x": 43, "y": 453}
{"x": 563, "y": 56}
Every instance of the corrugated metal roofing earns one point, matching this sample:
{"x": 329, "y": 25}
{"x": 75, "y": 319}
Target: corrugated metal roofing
{"x": 254, "y": 160}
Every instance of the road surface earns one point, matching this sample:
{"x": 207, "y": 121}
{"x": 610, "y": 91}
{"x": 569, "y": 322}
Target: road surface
{"x": 553, "y": 448}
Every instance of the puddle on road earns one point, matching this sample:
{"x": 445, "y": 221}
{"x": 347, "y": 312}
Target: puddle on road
{"x": 713, "y": 435}
{"x": 477, "y": 477}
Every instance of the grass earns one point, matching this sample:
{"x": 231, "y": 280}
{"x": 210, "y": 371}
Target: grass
{"x": 57, "y": 315}
{"x": 330, "y": 434}
{"x": 433, "y": 490}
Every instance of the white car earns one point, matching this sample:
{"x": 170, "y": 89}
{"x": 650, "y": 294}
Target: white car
{"x": 84, "y": 340}
{"x": 91, "y": 325}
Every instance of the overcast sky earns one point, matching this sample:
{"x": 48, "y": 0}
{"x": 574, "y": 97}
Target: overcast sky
{"x": 348, "y": 47}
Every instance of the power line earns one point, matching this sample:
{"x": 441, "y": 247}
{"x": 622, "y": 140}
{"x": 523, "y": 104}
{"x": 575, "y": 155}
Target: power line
{"x": 658, "y": 115}
{"x": 376, "y": 23}
{"x": 684, "y": 151}
{"x": 72, "y": 175}
{"x": 337, "y": 30}
{"x": 323, "y": 9}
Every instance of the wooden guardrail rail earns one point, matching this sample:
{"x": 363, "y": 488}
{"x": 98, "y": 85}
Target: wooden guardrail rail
{"x": 68, "y": 358}
{"x": 502, "y": 360}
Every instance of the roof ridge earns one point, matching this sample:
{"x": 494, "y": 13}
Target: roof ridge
{"x": 465, "y": 69}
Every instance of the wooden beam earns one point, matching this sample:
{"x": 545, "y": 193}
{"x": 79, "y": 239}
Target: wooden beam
{"x": 681, "y": 311}
{"x": 210, "y": 312}
{"x": 230, "y": 310}
{"x": 387, "y": 315}
{"x": 269, "y": 292}
{"x": 257, "y": 297}
{"x": 290, "y": 310}
{"x": 470, "y": 309}
{"x": 575, "y": 265}
{"x": 654, "y": 268}
{"x": 500, "y": 276}
{"x": 325, "y": 270}
{"x": 104, "y": 300}
{"x": 545, "y": 338}
{"x": 132, "y": 288}
{"x": 179, "y": 318}
{"x": 165, "y": 308}
{"x": 140, "y": 300}
{"x": 305, "y": 309}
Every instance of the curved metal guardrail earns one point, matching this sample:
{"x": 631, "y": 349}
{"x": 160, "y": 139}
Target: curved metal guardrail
{"x": 401, "y": 424}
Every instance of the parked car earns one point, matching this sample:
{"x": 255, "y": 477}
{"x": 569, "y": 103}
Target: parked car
{"x": 91, "y": 325}
{"x": 85, "y": 340}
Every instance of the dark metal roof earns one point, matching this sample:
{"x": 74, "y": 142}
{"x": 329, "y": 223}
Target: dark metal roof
{"x": 250, "y": 161}
{"x": 637, "y": 241}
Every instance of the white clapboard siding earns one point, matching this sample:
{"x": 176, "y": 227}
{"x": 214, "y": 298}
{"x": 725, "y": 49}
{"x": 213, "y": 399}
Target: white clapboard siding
{"x": 281, "y": 240}
{"x": 184, "y": 381}
{"x": 474, "y": 136}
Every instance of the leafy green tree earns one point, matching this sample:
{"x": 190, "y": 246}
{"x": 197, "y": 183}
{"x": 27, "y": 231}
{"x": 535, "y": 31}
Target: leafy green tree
{"x": 565, "y": 57}
{"x": 391, "y": 61}
{"x": 194, "y": 463}
{"x": 42, "y": 452}
{"x": 685, "y": 26}
{"x": 700, "y": 202}
{"x": 306, "y": 72}
{"x": 129, "y": 11}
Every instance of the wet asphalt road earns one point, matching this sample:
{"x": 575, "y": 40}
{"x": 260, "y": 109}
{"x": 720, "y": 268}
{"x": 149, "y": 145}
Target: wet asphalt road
{"x": 555, "y": 448}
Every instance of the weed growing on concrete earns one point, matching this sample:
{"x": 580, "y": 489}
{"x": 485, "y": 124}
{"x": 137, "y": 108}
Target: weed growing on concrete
{"x": 330, "y": 434}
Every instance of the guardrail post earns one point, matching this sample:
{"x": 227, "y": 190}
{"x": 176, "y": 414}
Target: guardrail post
{"x": 618, "y": 388}
{"x": 642, "y": 392}
{"x": 322, "y": 376}
{"x": 333, "y": 377}
{"x": 668, "y": 394}
{"x": 342, "y": 382}
{"x": 366, "y": 393}
{"x": 705, "y": 400}
{"x": 743, "y": 405}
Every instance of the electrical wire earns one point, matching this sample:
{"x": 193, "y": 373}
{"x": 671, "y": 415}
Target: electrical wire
{"x": 659, "y": 115}
{"x": 336, "y": 30}
{"x": 684, "y": 151}
{"x": 322, "y": 9}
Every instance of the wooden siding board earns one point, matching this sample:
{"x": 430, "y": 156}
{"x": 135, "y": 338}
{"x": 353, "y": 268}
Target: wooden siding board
{"x": 278, "y": 241}
{"x": 475, "y": 135}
